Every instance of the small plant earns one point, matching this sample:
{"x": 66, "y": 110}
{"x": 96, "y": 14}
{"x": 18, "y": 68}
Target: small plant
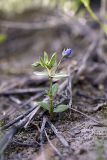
{"x": 51, "y": 66}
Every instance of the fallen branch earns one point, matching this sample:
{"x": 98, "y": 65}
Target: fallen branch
{"x": 6, "y": 139}
{"x": 22, "y": 91}
{"x": 32, "y": 98}
{"x": 18, "y": 118}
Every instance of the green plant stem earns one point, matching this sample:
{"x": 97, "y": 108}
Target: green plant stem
{"x": 59, "y": 64}
{"x": 103, "y": 26}
{"x": 51, "y": 96}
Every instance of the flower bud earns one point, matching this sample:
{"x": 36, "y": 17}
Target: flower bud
{"x": 67, "y": 52}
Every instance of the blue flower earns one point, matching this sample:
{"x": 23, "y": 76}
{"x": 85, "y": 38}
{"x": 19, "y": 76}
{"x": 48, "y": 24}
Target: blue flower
{"x": 67, "y": 52}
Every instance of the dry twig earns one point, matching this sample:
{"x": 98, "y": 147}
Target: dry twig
{"x": 22, "y": 91}
{"x": 54, "y": 148}
{"x": 58, "y": 134}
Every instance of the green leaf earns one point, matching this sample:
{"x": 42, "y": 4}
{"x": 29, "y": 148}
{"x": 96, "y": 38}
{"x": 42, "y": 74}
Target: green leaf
{"x": 104, "y": 26}
{"x": 86, "y": 2}
{"x": 36, "y": 64}
{"x": 52, "y": 61}
{"x": 60, "y": 75}
{"x": 41, "y": 74}
{"x": 3, "y": 37}
{"x": 42, "y": 63}
{"x": 54, "y": 89}
{"x": 44, "y": 105}
{"x": 60, "y": 108}
{"x": 45, "y": 57}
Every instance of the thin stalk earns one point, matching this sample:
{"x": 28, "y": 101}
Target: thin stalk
{"x": 51, "y": 97}
{"x": 59, "y": 64}
{"x": 50, "y": 89}
{"x": 103, "y": 25}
